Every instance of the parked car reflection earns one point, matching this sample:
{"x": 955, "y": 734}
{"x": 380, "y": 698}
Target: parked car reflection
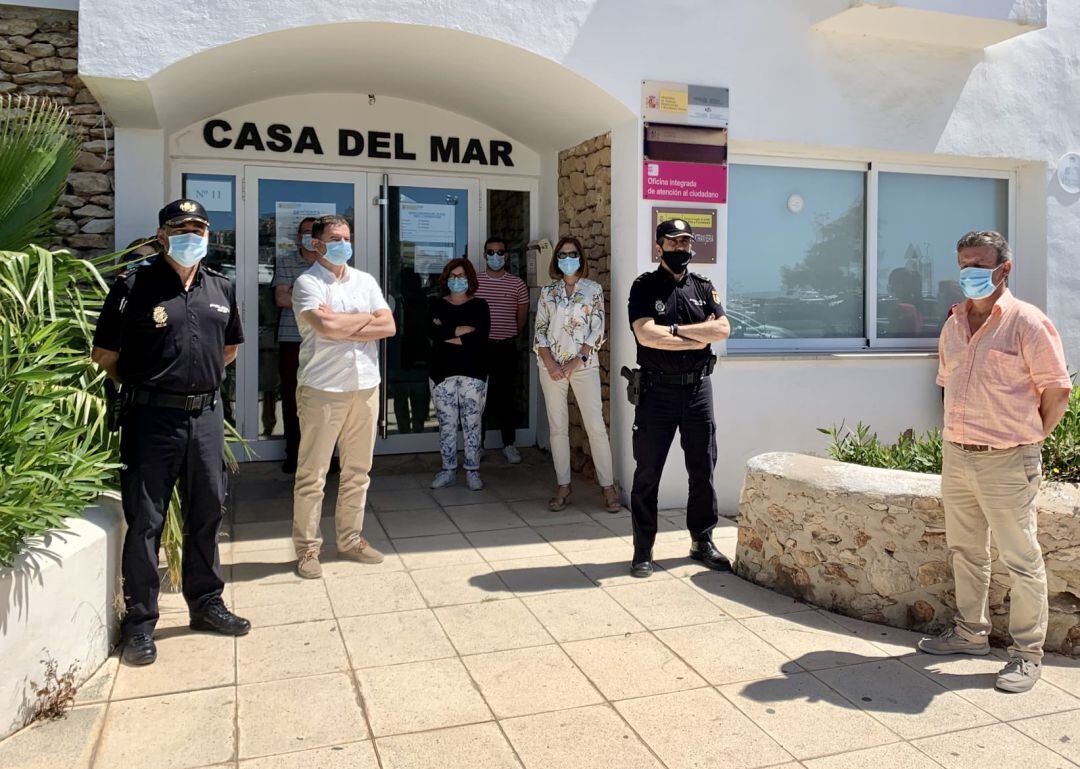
{"x": 745, "y": 327}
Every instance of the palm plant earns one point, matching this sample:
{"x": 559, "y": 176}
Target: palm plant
{"x": 56, "y": 454}
{"x": 37, "y": 151}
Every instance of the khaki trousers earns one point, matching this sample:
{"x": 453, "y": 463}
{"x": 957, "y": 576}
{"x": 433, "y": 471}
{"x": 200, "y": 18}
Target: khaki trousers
{"x": 349, "y": 419}
{"x": 586, "y": 385}
{"x": 995, "y": 490}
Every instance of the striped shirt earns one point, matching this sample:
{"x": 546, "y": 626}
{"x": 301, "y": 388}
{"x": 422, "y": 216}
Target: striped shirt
{"x": 288, "y": 267}
{"x": 503, "y": 296}
{"x": 994, "y": 378}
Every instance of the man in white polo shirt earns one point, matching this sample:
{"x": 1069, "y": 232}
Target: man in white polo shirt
{"x": 341, "y": 314}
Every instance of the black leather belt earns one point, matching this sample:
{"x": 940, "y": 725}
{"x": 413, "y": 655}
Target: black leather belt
{"x": 679, "y": 380}
{"x": 196, "y": 402}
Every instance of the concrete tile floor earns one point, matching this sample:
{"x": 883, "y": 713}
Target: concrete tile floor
{"x": 498, "y": 634}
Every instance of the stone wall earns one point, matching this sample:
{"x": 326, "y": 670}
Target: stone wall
{"x": 870, "y": 544}
{"x": 585, "y": 213}
{"x": 38, "y": 57}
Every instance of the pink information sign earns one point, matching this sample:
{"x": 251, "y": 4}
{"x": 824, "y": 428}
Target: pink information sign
{"x": 684, "y": 182}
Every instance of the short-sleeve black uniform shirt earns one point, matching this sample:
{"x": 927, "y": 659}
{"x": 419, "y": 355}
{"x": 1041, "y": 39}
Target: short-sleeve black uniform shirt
{"x": 659, "y": 296}
{"x": 170, "y": 339}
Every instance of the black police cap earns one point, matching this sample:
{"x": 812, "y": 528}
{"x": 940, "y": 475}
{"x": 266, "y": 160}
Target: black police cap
{"x": 182, "y": 210}
{"x": 674, "y": 228}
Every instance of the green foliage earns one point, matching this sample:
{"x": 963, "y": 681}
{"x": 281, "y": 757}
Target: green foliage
{"x": 56, "y": 454}
{"x": 1061, "y": 451}
{"x": 1060, "y": 454}
{"x": 37, "y": 151}
{"x": 861, "y": 447}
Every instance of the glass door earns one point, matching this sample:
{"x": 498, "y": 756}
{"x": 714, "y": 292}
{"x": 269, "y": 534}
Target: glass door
{"x": 277, "y": 201}
{"x": 422, "y": 223}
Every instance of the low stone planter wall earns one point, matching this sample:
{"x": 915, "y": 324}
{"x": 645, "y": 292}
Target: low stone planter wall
{"x": 870, "y": 543}
{"x": 58, "y": 602}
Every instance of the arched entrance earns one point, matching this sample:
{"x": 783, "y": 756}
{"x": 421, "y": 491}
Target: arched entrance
{"x": 463, "y": 128}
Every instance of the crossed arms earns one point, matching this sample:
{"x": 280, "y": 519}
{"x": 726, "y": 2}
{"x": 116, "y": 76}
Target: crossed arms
{"x": 351, "y": 326}
{"x": 695, "y": 336}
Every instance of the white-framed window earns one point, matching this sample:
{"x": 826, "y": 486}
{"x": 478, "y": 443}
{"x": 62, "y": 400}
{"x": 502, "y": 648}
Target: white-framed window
{"x": 846, "y": 255}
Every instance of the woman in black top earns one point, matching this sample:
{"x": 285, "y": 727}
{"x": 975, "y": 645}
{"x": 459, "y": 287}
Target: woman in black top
{"x": 458, "y": 326}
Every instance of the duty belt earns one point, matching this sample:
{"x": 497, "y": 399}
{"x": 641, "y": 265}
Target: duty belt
{"x": 688, "y": 378}
{"x": 196, "y": 402}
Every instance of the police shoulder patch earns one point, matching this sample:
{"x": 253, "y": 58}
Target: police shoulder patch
{"x": 716, "y": 296}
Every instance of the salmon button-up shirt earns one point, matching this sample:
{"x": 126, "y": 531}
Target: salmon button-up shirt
{"x": 994, "y": 378}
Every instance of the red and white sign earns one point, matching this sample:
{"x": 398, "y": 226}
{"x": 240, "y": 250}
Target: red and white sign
{"x": 684, "y": 182}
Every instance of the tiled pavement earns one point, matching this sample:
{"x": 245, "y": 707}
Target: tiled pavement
{"x": 498, "y": 634}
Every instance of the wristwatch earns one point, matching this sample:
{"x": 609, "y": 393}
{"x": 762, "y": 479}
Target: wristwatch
{"x": 674, "y": 329}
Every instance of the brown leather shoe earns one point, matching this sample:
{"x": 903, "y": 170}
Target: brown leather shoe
{"x": 612, "y": 503}
{"x": 362, "y": 552}
{"x": 560, "y": 500}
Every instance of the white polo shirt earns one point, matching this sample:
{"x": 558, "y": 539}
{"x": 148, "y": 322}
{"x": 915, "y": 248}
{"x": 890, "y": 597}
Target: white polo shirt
{"x": 336, "y": 365}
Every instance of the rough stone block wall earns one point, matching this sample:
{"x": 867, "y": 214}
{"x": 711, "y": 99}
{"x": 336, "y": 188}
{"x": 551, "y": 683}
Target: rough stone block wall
{"x": 585, "y": 213}
{"x": 870, "y": 544}
{"x": 39, "y": 57}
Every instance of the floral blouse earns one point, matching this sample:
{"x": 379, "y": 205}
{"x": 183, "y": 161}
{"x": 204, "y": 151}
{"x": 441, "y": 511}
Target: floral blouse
{"x": 564, "y": 323}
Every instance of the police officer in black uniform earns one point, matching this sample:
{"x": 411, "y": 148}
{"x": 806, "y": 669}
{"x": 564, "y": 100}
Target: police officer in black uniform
{"x": 676, "y": 316}
{"x": 166, "y": 332}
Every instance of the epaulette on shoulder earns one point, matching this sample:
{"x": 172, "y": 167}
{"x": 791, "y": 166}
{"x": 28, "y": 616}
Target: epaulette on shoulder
{"x": 699, "y": 277}
{"x": 215, "y": 273}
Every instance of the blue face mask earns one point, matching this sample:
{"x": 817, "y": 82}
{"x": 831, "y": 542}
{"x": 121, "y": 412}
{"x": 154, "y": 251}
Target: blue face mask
{"x": 338, "y": 251}
{"x": 457, "y": 285}
{"x": 977, "y": 282}
{"x": 188, "y": 249}
{"x": 496, "y": 261}
{"x": 305, "y": 242}
{"x": 569, "y": 266}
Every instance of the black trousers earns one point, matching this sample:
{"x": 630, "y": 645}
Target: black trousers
{"x": 158, "y": 447}
{"x": 663, "y": 410}
{"x": 501, "y": 411}
{"x": 288, "y": 364}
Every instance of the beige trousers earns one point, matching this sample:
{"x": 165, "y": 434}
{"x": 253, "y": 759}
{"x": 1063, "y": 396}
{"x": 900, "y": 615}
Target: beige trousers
{"x": 350, "y": 420}
{"x": 995, "y": 490}
{"x": 586, "y": 385}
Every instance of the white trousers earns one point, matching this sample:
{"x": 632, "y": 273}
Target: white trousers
{"x": 586, "y": 384}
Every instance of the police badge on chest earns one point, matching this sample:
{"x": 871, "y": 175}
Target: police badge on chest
{"x": 161, "y": 318}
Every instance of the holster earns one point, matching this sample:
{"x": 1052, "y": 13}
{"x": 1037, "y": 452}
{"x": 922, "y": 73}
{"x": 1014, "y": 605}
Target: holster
{"x": 117, "y": 404}
{"x": 634, "y": 384}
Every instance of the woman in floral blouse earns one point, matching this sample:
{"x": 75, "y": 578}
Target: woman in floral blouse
{"x": 569, "y": 331}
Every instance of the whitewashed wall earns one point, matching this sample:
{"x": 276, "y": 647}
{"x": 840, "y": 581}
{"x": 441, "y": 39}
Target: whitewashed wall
{"x": 554, "y": 72}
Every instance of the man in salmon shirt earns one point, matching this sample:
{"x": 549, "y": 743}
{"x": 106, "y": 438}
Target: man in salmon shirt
{"x": 1002, "y": 365}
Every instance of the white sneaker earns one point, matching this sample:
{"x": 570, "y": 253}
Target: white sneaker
{"x": 513, "y": 456}
{"x": 444, "y": 478}
{"x": 1019, "y": 675}
{"x": 472, "y": 478}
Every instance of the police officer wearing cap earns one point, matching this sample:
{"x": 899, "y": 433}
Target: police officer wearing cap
{"x": 166, "y": 332}
{"x": 676, "y": 316}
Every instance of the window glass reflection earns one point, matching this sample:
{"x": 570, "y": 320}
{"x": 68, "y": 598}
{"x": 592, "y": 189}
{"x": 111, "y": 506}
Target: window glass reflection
{"x": 795, "y": 253}
{"x": 920, "y": 218}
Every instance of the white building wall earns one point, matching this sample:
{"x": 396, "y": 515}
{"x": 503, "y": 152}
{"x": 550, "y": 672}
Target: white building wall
{"x": 794, "y": 90}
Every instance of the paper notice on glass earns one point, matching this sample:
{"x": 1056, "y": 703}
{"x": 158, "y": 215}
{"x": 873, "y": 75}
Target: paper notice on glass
{"x": 427, "y": 223}
{"x": 430, "y": 259}
{"x": 287, "y": 218}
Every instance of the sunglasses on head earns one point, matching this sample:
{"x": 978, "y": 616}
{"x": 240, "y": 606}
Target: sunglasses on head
{"x": 500, "y": 252}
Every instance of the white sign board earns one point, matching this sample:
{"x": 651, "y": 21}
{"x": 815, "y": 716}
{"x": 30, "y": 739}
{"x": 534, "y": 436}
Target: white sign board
{"x": 213, "y": 195}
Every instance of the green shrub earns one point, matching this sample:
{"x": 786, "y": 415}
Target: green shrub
{"x": 56, "y": 454}
{"x": 861, "y": 447}
{"x": 1060, "y": 454}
